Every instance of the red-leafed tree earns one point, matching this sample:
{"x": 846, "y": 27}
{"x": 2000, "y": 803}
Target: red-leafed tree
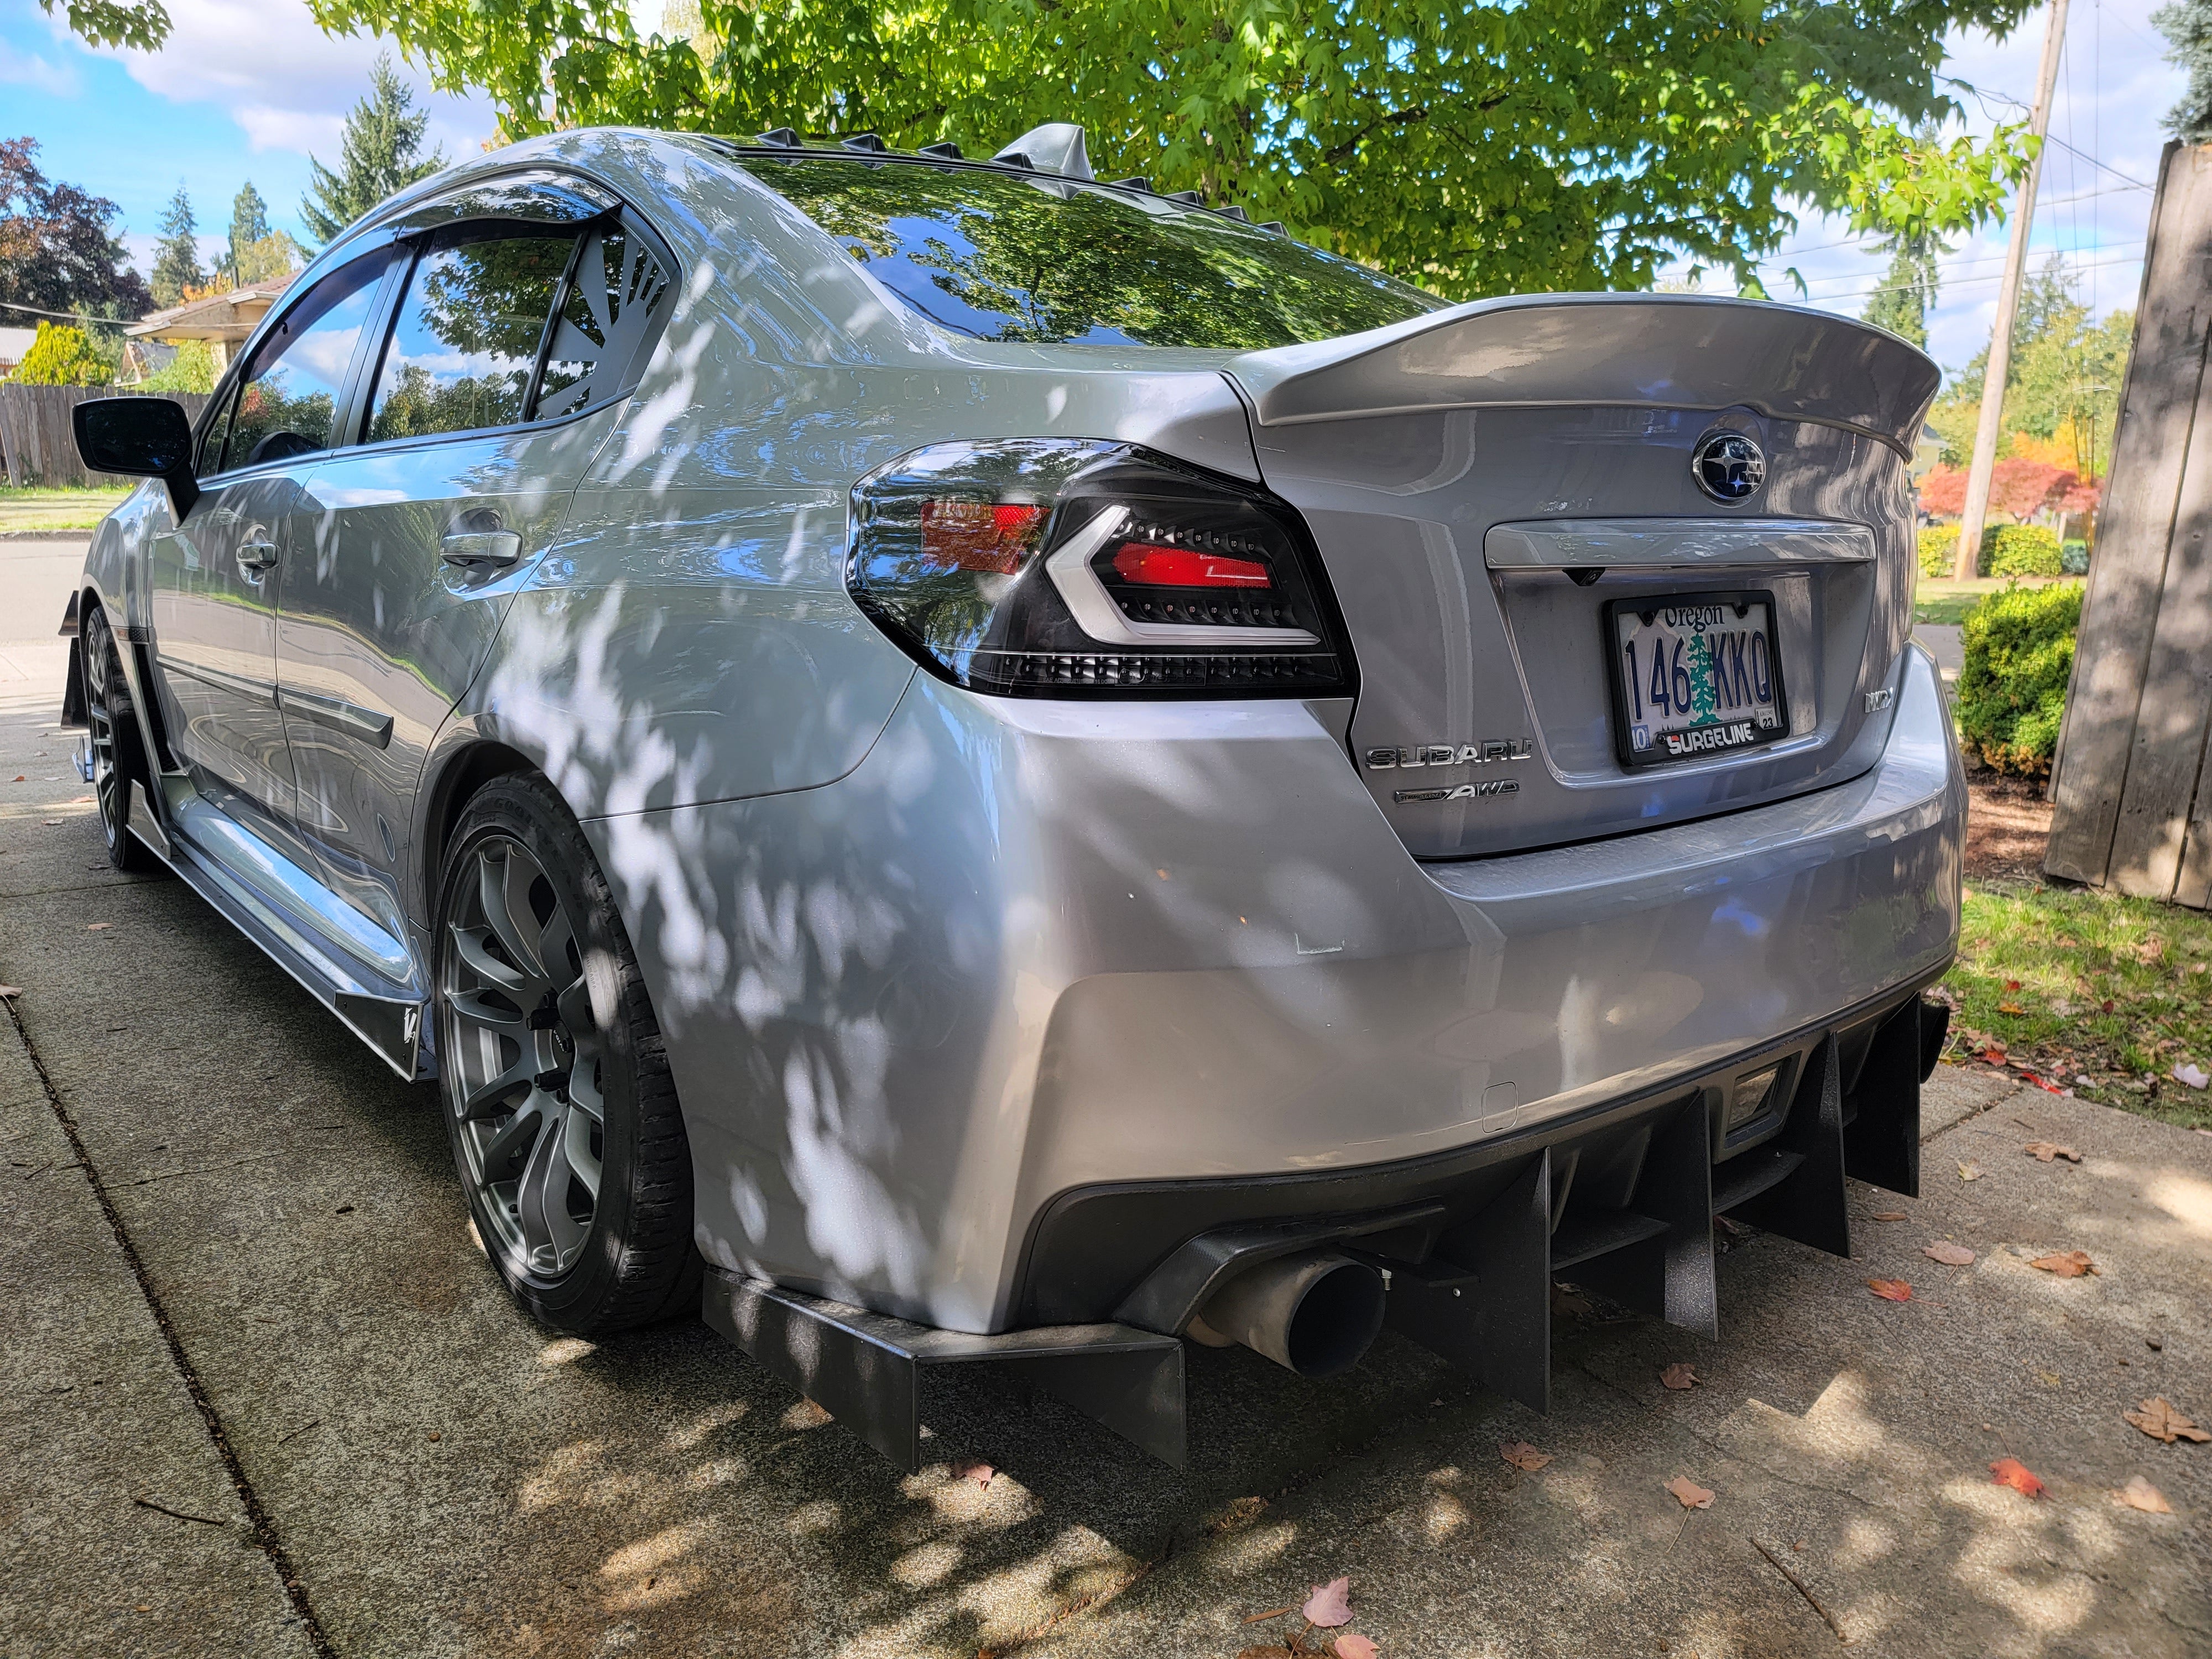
{"x": 1943, "y": 492}
{"x": 2023, "y": 488}
{"x": 2019, "y": 488}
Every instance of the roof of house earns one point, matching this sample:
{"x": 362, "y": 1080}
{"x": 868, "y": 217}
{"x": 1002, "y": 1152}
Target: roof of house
{"x": 228, "y": 316}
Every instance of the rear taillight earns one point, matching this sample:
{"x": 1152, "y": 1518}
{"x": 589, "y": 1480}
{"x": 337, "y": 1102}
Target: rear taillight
{"x": 1052, "y": 568}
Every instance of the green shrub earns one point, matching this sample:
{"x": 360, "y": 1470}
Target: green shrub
{"x": 64, "y": 357}
{"x": 2074, "y": 558}
{"x": 192, "y": 370}
{"x": 1939, "y": 549}
{"x": 2019, "y": 550}
{"x": 2019, "y": 646}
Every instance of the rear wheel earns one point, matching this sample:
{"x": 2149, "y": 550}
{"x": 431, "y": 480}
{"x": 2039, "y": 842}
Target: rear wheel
{"x": 559, "y": 1103}
{"x": 118, "y": 752}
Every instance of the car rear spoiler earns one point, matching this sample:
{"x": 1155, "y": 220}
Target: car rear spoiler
{"x": 1676, "y": 350}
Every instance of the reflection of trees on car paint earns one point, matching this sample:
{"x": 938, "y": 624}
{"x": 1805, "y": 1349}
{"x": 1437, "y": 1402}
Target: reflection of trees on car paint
{"x": 1002, "y": 257}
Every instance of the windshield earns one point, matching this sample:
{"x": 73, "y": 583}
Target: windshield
{"x": 997, "y": 255}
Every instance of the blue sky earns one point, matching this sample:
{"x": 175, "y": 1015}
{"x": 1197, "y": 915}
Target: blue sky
{"x": 244, "y": 89}
{"x": 248, "y": 88}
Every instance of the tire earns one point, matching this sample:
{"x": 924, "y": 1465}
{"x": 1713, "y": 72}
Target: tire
{"x": 118, "y": 749}
{"x": 553, "y": 1073}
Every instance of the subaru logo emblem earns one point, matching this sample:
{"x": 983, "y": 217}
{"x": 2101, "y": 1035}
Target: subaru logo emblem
{"x": 1727, "y": 466}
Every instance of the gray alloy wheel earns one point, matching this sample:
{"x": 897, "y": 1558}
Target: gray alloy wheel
{"x": 524, "y": 1052}
{"x": 559, "y": 1103}
{"x": 117, "y": 759}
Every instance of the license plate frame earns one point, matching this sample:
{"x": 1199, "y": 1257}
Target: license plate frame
{"x": 1625, "y": 703}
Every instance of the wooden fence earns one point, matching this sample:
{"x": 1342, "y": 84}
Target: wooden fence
{"x": 2130, "y": 808}
{"x": 35, "y": 442}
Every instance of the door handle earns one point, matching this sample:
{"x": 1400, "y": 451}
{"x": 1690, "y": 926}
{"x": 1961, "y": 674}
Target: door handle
{"x": 256, "y": 556}
{"x": 480, "y": 550}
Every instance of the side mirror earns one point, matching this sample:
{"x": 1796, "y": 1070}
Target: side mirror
{"x": 139, "y": 437}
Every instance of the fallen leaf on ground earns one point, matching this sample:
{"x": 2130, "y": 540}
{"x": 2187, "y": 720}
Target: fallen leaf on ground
{"x": 1950, "y": 1255}
{"x": 98, "y": 926}
{"x": 1969, "y": 1172}
{"x": 971, "y": 1468}
{"x": 1272, "y": 1613}
{"x": 2140, "y": 1494}
{"x": 1889, "y": 1215}
{"x": 1689, "y": 1494}
{"x": 2044, "y": 1151}
{"x": 2150, "y": 950}
{"x": 1329, "y": 1605}
{"x": 1522, "y": 1456}
{"x": 2010, "y": 1008}
{"x": 1352, "y": 1646}
{"x": 2067, "y": 1264}
{"x": 2011, "y": 1472}
{"x": 2193, "y": 1075}
{"x": 1680, "y": 1375}
{"x": 1890, "y": 1290}
{"x": 19, "y": 778}
{"x": 2158, "y": 1419}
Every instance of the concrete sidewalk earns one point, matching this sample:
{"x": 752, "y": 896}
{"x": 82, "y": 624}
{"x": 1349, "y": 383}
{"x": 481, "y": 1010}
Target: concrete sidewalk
{"x": 258, "y": 1305}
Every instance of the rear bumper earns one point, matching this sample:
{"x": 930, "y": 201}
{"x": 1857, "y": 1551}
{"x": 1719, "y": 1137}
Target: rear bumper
{"x": 1028, "y": 955}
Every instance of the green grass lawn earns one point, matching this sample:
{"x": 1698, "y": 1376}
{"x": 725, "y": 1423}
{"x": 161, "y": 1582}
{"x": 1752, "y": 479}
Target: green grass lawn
{"x": 56, "y": 509}
{"x": 1947, "y": 601}
{"x": 2075, "y": 982}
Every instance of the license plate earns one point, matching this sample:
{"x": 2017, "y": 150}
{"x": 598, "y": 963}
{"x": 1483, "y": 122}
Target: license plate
{"x": 1694, "y": 675}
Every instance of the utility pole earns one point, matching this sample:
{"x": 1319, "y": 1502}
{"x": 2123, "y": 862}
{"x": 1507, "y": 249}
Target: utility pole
{"x": 1986, "y": 432}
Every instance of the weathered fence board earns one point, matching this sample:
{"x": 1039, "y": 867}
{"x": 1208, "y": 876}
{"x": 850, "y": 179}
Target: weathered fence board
{"x": 36, "y": 445}
{"x": 2131, "y": 749}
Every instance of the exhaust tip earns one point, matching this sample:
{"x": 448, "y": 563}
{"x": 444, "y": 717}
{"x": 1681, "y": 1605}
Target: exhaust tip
{"x": 1315, "y": 1314}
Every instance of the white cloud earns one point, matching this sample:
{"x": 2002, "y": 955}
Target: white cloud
{"x": 287, "y": 83}
{"x": 27, "y": 69}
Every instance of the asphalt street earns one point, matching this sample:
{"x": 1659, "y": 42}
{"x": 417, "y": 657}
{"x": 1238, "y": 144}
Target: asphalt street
{"x": 260, "y": 1393}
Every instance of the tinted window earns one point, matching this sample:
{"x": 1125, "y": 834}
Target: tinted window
{"x": 998, "y": 256}
{"x": 467, "y": 335}
{"x": 289, "y": 396}
{"x": 605, "y": 317}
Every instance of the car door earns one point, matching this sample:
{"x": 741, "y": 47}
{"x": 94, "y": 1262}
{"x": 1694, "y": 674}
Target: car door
{"x": 214, "y": 581}
{"x": 497, "y": 380}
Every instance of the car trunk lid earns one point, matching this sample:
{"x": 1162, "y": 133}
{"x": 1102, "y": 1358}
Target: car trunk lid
{"x": 1504, "y": 497}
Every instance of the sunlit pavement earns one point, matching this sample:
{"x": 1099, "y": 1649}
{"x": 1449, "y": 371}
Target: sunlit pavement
{"x": 439, "y": 1477}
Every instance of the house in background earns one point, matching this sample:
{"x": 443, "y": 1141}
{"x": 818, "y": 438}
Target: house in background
{"x": 223, "y": 320}
{"x": 15, "y": 343}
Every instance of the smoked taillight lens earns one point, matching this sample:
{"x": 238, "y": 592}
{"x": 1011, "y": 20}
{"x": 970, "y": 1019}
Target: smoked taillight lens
{"x": 1055, "y": 568}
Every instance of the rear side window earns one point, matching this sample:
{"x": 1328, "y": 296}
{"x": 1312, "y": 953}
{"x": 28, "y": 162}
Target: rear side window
{"x": 287, "y": 397}
{"x": 607, "y": 316}
{"x": 466, "y": 343}
{"x": 998, "y": 256}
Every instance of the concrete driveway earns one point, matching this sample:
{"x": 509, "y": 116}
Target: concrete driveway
{"x": 261, "y": 1393}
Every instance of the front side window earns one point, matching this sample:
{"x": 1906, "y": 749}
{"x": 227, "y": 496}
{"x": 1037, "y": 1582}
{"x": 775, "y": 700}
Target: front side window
{"x": 465, "y": 345}
{"x": 287, "y": 398}
{"x": 995, "y": 255}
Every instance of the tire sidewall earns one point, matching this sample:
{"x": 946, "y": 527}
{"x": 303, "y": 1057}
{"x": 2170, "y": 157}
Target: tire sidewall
{"x": 526, "y": 813}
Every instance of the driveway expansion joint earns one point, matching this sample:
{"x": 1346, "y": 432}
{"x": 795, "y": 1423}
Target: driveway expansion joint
{"x": 261, "y": 1526}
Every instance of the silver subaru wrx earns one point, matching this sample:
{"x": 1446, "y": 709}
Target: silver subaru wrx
{"x": 948, "y": 761}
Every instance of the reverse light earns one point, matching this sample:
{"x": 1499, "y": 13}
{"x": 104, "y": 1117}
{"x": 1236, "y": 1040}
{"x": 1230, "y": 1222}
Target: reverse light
{"x": 1043, "y": 568}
